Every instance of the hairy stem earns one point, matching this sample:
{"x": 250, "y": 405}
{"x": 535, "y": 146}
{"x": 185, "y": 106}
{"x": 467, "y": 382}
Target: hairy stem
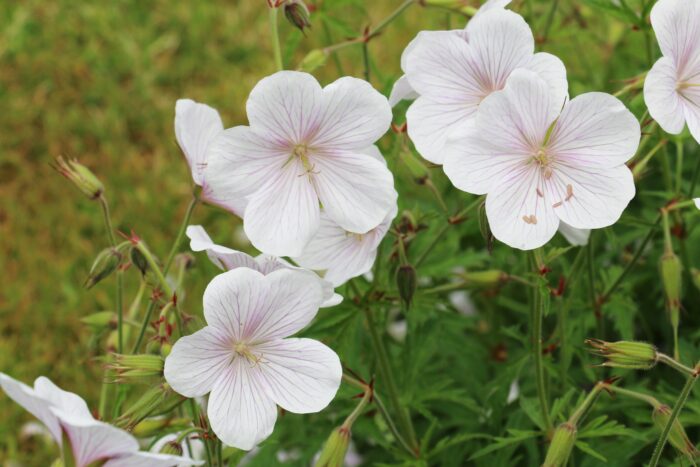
{"x": 180, "y": 233}
{"x": 275, "y": 36}
{"x": 536, "y": 344}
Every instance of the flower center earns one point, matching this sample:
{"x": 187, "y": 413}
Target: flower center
{"x": 242, "y": 349}
{"x": 544, "y": 160}
{"x": 681, "y": 85}
{"x": 301, "y": 151}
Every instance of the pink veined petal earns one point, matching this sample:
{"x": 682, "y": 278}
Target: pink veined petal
{"x": 283, "y": 215}
{"x": 577, "y": 237}
{"x": 354, "y": 116}
{"x": 373, "y": 151}
{"x": 500, "y": 41}
{"x": 196, "y": 125}
{"x": 224, "y": 258}
{"x": 286, "y": 107}
{"x": 92, "y": 440}
{"x": 300, "y": 375}
{"x": 239, "y": 161}
{"x": 691, "y": 108}
{"x": 269, "y": 263}
{"x": 356, "y": 190}
{"x": 290, "y": 302}
{"x": 473, "y": 164}
{"x": 148, "y": 459}
{"x": 677, "y": 27}
{"x": 232, "y": 299}
{"x": 515, "y": 120}
{"x": 33, "y": 403}
{"x": 588, "y": 198}
{"x": 60, "y": 399}
{"x": 343, "y": 255}
{"x": 240, "y": 412}
{"x": 662, "y": 98}
{"x": 401, "y": 90}
{"x": 196, "y": 361}
{"x": 551, "y": 69}
{"x": 595, "y": 130}
{"x": 517, "y": 214}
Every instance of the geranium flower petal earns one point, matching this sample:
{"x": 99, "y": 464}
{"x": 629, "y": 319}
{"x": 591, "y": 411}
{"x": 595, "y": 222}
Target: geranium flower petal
{"x": 676, "y": 24}
{"x": 552, "y": 70}
{"x": 196, "y": 360}
{"x": 196, "y": 125}
{"x": 356, "y": 190}
{"x": 64, "y": 400}
{"x": 355, "y": 115}
{"x": 517, "y": 214}
{"x": 662, "y": 98}
{"x": 300, "y": 375}
{"x": 401, "y": 90}
{"x": 595, "y": 130}
{"x": 590, "y": 198}
{"x": 691, "y": 108}
{"x": 283, "y": 215}
{"x": 240, "y": 412}
{"x": 577, "y": 237}
{"x": 286, "y": 107}
{"x": 239, "y": 162}
{"x": 33, "y": 403}
{"x": 288, "y": 303}
{"x": 224, "y": 258}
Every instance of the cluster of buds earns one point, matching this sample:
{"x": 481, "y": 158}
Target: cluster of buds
{"x": 677, "y": 436}
{"x": 80, "y": 176}
{"x": 625, "y": 354}
{"x": 136, "y": 368}
{"x": 562, "y": 444}
{"x": 155, "y": 425}
{"x": 156, "y": 400}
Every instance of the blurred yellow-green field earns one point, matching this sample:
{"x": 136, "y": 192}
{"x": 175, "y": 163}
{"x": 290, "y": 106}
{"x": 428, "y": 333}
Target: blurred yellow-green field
{"x": 98, "y": 81}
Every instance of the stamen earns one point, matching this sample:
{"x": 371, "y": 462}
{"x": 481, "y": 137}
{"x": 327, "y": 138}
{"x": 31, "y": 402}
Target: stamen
{"x": 557, "y": 204}
{"x": 531, "y": 219}
{"x": 547, "y": 173}
{"x": 539, "y": 193}
{"x": 569, "y": 192}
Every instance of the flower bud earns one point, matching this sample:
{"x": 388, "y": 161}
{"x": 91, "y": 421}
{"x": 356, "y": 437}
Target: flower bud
{"x": 152, "y": 426}
{"x": 107, "y": 261}
{"x": 138, "y": 260}
{"x": 562, "y": 444}
{"x": 313, "y": 60}
{"x": 171, "y": 447}
{"x": 146, "y": 405}
{"x": 671, "y": 279}
{"x": 333, "y": 454}
{"x": 677, "y": 436}
{"x": 625, "y": 354}
{"x": 101, "y": 320}
{"x": 136, "y": 368}
{"x": 406, "y": 282}
{"x": 297, "y": 14}
{"x": 489, "y": 278}
{"x": 81, "y": 177}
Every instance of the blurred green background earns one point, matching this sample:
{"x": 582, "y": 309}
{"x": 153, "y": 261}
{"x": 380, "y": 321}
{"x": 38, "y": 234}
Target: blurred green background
{"x": 98, "y": 81}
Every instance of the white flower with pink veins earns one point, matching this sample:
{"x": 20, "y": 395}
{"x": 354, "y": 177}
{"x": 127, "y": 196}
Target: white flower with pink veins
{"x": 452, "y": 72}
{"x": 245, "y": 360}
{"x": 672, "y": 86}
{"x": 540, "y": 164}
{"x": 66, "y": 415}
{"x": 306, "y": 147}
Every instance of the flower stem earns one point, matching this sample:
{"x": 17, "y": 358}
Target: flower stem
{"x": 274, "y": 34}
{"x": 608, "y": 293}
{"x": 392, "y": 16}
{"x": 675, "y": 364}
{"x": 634, "y": 395}
{"x": 587, "y": 403}
{"x": 658, "y": 450}
{"x": 387, "y": 376}
{"x": 181, "y": 232}
{"x": 120, "y": 281}
{"x": 679, "y": 166}
{"x": 536, "y": 344}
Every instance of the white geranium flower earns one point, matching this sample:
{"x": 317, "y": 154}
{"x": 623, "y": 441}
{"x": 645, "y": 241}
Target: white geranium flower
{"x": 453, "y": 71}
{"x": 342, "y": 254}
{"x": 577, "y": 237}
{"x": 243, "y": 359}
{"x": 227, "y": 259}
{"x": 672, "y": 87}
{"x": 306, "y": 146}
{"x": 90, "y": 440}
{"x": 539, "y": 166}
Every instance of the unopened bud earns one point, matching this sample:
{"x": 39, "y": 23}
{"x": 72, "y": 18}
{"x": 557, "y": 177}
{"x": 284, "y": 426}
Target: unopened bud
{"x": 107, "y": 261}
{"x": 406, "y": 282}
{"x": 136, "y": 368}
{"x": 418, "y": 170}
{"x": 677, "y": 436}
{"x": 625, "y": 354}
{"x": 184, "y": 260}
{"x": 333, "y": 454}
{"x": 81, "y": 177}
{"x": 562, "y": 444}
{"x": 298, "y": 14}
{"x": 165, "y": 349}
{"x": 138, "y": 260}
{"x": 489, "y": 278}
{"x": 172, "y": 447}
{"x": 100, "y": 320}
{"x": 671, "y": 279}
{"x": 151, "y": 426}
{"x": 313, "y": 60}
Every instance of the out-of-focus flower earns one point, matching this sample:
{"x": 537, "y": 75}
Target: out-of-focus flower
{"x": 90, "y": 440}
{"x": 306, "y": 146}
{"x": 227, "y": 259}
{"x": 454, "y": 71}
{"x": 244, "y": 359}
{"x": 672, "y": 86}
{"x": 540, "y": 164}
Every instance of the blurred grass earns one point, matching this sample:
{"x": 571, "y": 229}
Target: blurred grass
{"x": 98, "y": 81}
